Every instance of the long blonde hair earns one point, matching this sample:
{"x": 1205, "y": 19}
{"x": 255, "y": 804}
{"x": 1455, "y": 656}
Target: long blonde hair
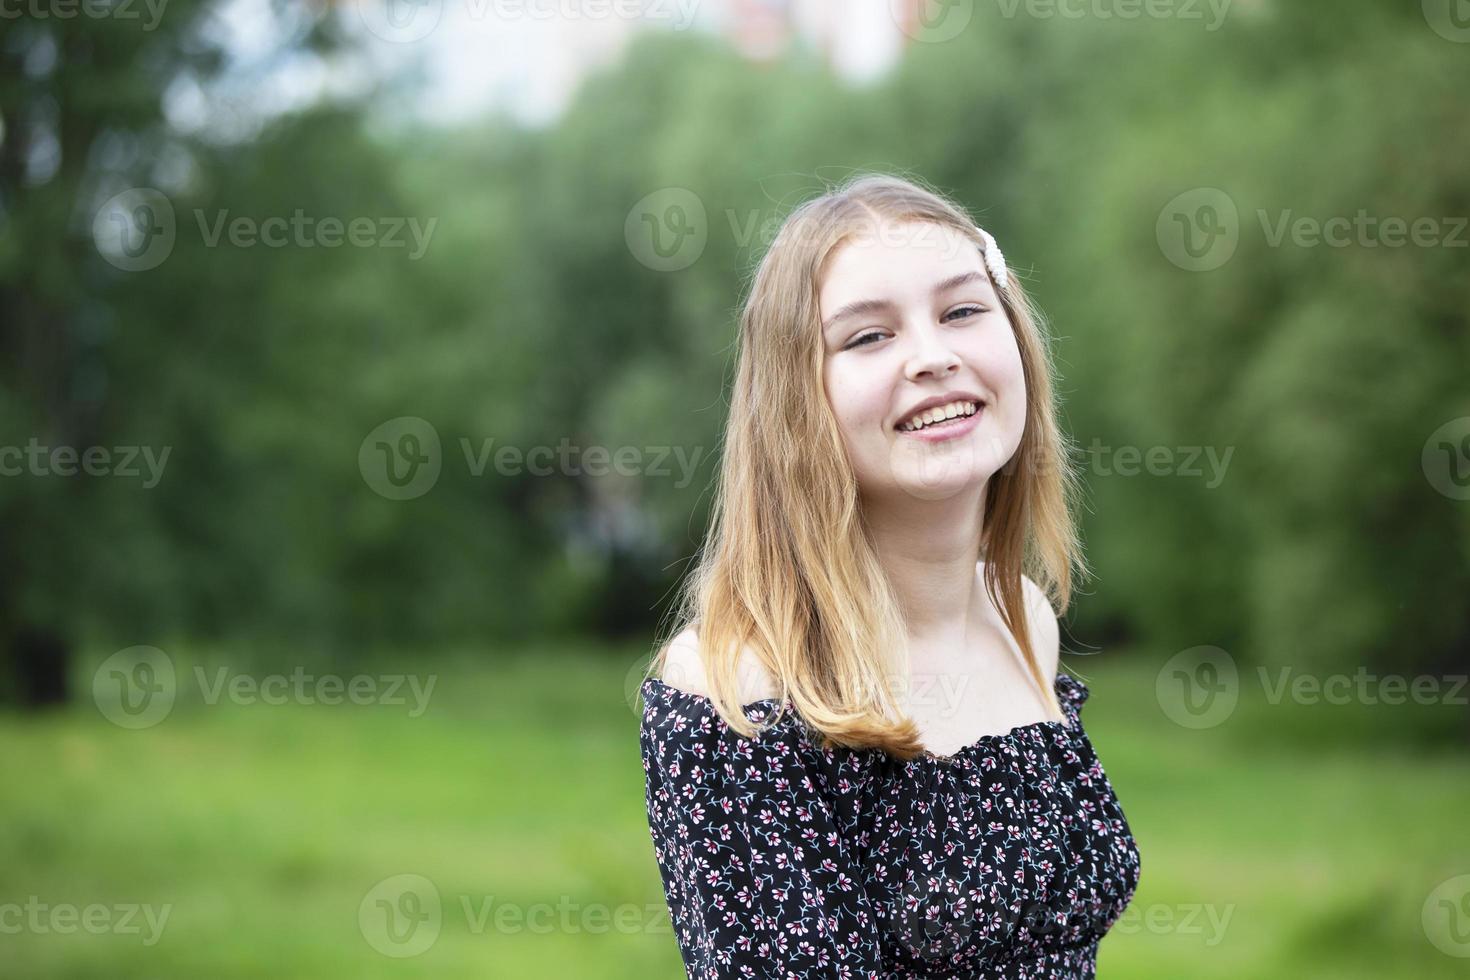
{"x": 787, "y": 569}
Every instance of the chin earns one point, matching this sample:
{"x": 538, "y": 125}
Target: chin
{"x": 938, "y": 482}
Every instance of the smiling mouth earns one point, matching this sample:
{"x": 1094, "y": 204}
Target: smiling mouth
{"x": 953, "y": 423}
{"x": 938, "y": 418}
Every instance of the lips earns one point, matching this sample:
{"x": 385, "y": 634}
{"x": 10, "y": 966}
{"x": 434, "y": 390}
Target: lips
{"x": 956, "y": 428}
{"x": 938, "y": 401}
{"x": 925, "y": 416}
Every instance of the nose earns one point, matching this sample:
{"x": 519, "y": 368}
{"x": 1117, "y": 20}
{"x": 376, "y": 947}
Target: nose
{"x": 931, "y": 356}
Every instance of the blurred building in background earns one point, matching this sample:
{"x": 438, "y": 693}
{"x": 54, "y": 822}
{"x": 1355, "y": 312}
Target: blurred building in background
{"x": 479, "y": 58}
{"x": 859, "y": 40}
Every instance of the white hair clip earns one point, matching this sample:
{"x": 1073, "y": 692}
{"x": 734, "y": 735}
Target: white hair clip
{"x": 994, "y": 260}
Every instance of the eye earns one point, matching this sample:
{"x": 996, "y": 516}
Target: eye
{"x": 862, "y": 339}
{"x": 968, "y": 311}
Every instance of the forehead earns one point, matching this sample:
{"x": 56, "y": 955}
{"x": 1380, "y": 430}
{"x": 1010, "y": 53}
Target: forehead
{"x": 895, "y": 261}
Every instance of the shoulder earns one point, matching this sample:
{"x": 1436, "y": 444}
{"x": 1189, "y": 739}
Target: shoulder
{"x": 684, "y": 670}
{"x": 1041, "y": 620}
{"x": 684, "y": 737}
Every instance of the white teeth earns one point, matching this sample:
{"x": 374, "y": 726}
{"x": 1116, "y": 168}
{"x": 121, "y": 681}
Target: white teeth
{"x": 943, "y": 413}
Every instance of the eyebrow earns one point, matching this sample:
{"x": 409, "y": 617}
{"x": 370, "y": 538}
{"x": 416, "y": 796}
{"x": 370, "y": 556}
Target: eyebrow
{"x": 874, "y": 305}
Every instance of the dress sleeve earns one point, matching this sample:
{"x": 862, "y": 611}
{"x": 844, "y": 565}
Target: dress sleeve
{"x": 759, "y": 882}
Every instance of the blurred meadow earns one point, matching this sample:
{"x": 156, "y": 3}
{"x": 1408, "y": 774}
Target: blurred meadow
{"x": 362, "y": 371}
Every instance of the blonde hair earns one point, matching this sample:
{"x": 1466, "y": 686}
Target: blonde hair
{"x": 787, "y": 570}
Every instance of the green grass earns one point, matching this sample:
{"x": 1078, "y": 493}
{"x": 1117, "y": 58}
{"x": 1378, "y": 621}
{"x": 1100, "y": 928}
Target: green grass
{"x": 1314, "y": 829}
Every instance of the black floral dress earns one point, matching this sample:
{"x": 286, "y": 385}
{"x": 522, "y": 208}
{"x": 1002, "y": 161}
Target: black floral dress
{"x": 1009, "y": 859}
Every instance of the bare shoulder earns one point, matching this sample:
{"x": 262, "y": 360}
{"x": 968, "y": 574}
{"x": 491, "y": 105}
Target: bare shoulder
{"x": 684, "y": 670}
{"x": 1041, "y": 623}
{"x": 1045, "y": 631}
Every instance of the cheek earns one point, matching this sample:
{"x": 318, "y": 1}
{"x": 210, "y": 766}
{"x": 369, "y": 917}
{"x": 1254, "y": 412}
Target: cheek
{"x": 1012, "y": 370}
{"x": 858, "y": 398}
{"x": 998, "y": 360}
{"x": 1011, "y": 388}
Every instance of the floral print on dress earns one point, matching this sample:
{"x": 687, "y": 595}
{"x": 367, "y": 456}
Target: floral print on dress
{"x": 1008, "y": 860}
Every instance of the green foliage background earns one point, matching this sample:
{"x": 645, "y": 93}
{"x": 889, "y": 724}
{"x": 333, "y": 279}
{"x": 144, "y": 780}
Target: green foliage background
{"x": 529, "y": 321}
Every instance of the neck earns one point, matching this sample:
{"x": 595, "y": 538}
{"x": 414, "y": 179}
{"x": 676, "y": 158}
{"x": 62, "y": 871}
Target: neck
{"x": 929, "y": 550}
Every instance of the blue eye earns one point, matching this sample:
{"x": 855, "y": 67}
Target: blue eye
{"x": 862, "y": 339}
{"x": 973, "y": 310}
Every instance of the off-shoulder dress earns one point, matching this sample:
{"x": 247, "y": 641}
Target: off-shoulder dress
{"x": 1009, "y": 859}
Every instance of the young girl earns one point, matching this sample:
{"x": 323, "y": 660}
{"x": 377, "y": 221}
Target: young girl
{"x": 861, "y": 759}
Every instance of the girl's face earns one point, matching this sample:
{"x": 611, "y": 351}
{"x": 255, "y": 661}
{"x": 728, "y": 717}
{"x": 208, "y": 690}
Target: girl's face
{"x": 909, "y": 319}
